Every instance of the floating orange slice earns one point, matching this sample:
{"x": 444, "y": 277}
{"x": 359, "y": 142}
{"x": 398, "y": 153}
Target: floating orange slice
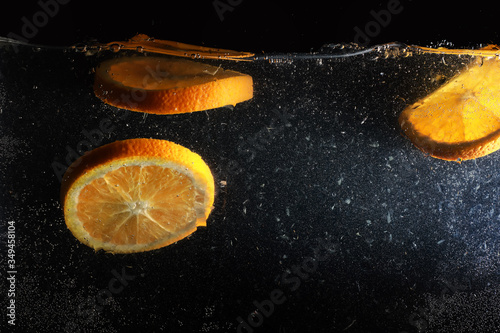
{"x": 461, "y": 119}
{"x": 136, "y": 195}
{"x": 169, "y": 85}
{"x": 144, "y": 43}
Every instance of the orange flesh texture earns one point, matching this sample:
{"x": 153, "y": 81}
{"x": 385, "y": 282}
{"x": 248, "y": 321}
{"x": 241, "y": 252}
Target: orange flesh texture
{"x": 131, "y": 209}
{"x": 461, "y": 119}
{"x": 136, "y": 191}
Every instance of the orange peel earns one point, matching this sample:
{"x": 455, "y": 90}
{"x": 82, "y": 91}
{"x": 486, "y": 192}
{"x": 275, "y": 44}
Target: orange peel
{"x": 461, "y": 119}
{"x": 169, "y": 85}
{"x": 136, "y": 195}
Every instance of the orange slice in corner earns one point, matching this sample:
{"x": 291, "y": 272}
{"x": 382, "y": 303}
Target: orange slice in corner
{"x": 461, "y": 119}
{"x": 136, "y": 195}
{"x": 169, "y": 85}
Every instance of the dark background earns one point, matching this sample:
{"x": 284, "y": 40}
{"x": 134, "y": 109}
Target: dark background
{"x": 429, "y": 257}
{"x": 258, "y": 26}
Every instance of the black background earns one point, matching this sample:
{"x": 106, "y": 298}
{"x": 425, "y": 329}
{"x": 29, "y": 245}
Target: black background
{"x": 257, "y": 26}
{"x": 371, "y": 283}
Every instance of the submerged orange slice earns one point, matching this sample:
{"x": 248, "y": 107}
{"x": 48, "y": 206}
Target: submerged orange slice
{"x": 136, "y": 195}
{"x": 168, "y": 85}
{"x": 461, "y": 119}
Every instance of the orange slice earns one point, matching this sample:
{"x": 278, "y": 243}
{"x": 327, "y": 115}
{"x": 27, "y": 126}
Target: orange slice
{"x": 144, "y": 43}
{"x": 168, "y": 85}
{"x": 136, "y": 195}
{"x": 461, "y": 119}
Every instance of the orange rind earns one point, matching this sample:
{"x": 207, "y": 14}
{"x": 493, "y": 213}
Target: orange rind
{"x": 136, "y": 195}
{"x": 162, "y": 85}
{"x": 461, "y": 119}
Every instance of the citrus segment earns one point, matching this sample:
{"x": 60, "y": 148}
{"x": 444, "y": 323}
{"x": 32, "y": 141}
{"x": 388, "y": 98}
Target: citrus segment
{"x": 136, "y": 195}
{"x": 461, "y": 119}
{"x": 169, "y": 86}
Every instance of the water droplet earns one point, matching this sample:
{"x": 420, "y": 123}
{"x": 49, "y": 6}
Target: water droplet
{"x": 115, "y": 47}
{"x": 81, "y": 48}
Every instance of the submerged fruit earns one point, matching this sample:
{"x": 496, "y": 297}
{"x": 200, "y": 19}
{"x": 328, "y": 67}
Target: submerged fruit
{"x": 169, "y": 85}
{"x": 136, "y": 195}
{"x": 461, "y": 119}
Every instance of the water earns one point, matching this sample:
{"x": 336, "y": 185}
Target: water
{"x": 326, "y": 217}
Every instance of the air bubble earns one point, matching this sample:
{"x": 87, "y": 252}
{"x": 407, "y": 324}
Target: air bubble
{"x": 80, "y": 48}
{"x": 115, "y": 47}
